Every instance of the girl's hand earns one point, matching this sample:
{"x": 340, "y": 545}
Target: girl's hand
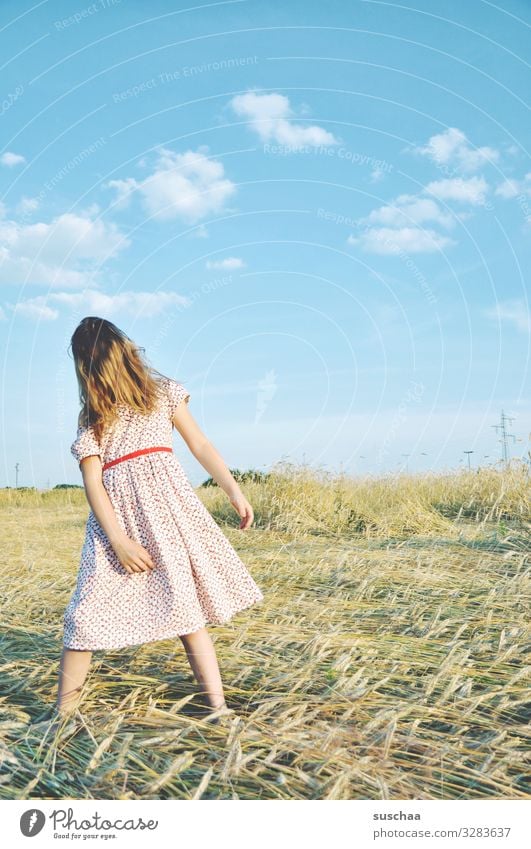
{"x": 133, "y": 556}
{"x": 243, "y": 509}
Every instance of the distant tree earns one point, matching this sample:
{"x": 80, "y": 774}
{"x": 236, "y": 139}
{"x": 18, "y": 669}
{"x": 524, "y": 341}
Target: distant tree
{"x": 250, "y": 475}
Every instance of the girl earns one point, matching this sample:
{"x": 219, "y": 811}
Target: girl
{"x": 154, "y": 563}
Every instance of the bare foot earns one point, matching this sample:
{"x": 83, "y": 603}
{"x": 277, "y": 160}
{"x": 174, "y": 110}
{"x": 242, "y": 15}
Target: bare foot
{"x": 223, "y": 715}
{"x": 52, "y": 726}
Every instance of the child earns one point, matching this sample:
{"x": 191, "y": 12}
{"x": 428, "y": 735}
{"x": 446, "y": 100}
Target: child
{"x": 154, "y": 563}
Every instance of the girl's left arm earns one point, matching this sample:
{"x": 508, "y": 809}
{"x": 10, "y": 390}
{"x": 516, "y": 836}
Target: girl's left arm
{"x": 212, "y": 462}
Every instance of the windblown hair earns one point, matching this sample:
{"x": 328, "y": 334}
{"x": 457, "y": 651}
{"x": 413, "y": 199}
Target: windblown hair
{"x": 110, "y": 371}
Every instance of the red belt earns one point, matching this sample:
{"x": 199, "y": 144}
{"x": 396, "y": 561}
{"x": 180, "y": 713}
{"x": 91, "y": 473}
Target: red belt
{"x": 136, "y": 454}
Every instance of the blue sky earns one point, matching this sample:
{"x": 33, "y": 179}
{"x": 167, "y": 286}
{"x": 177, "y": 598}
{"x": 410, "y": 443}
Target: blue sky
{"x": 317, "y": 217}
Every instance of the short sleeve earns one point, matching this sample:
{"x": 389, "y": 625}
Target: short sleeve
{"x": 85, "y": 444}
{"x": 176, "y": 393}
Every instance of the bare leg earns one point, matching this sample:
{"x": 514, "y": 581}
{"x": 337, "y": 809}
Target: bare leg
{"x": 202, "y": 657}
{"x": 72, "y": 673}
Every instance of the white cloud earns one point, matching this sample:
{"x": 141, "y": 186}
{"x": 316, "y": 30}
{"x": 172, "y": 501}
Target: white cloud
{"x": 402, "y": 218}
{"x": 229, "y": 262}
{"x": 188, "y": 185}
{"x": 270, "y": 116}
{"x": 408, "y": 210}
{"x": 137, "y": 304}
{"x": 514, "y": 312}
{"x": 36, "y": 309}
{"x": 411, "y": 240}
{"x": 452, "y": 148}
{"x": 377, "y": 174}
{"x": 511, "y": 188}
{"x": 401, "y": 227}
{"x": 64, "y": 252}
{"x": 27, "y": 205}
{"x": 10, "y": 159}
{"x": 507, "y": 189}
{"x": 471, "y": 191}
{"x": 124, "y": 191}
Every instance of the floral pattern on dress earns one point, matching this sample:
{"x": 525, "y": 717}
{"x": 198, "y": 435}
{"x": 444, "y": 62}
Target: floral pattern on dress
{"x": 198, "y": 577}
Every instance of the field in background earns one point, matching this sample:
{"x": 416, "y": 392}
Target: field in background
{"x": 386, "y": 661}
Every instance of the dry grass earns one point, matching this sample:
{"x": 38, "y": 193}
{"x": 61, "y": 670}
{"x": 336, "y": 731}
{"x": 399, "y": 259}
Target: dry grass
{"x": 386, "y": 661}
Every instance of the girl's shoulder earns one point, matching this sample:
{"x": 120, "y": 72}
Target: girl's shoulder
{"x": 174, "y": 393}
{"x": 85, "y": 443}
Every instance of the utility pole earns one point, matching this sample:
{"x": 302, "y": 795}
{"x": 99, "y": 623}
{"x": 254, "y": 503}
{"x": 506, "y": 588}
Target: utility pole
{"x": 469, "y": 453}
{"x": 16, "y": 475}
{"x": 505, "y": 436}
{"x": 407, "y": 464}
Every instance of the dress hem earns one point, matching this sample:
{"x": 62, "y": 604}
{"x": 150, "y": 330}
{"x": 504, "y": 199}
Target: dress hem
{"x": 168, "y": 636}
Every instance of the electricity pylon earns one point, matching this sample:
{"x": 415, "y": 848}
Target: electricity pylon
{"x": 505, "y": 436}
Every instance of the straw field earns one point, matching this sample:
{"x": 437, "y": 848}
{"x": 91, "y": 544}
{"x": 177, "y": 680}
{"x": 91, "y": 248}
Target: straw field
{"x": 387, "y": 660}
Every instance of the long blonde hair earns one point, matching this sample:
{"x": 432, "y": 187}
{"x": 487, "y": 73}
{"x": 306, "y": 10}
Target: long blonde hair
{"x": 110, "y": 371}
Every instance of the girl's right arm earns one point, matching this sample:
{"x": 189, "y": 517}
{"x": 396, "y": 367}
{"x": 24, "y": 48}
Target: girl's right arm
{"x": 132, "y": 556}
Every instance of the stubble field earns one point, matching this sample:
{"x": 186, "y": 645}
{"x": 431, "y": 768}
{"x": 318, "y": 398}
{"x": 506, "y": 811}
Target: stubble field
{"x": 387, "y": 660}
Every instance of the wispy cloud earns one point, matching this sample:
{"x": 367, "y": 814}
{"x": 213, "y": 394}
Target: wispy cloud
{"x": 231, "y": 262}
{"x": 200, "y": 232}
{"x": 271, "y": 117}
{"x": 266, "y": 391}
{"x": 511, "y": 188}
{"x": 387, "y": 240}
{"x": 26, "y": 206}
{"x": 377, "y": 175}
{"x": 189, "y": 185}
{"x": 144, "y": 304}
{"x": 513, "y": 312}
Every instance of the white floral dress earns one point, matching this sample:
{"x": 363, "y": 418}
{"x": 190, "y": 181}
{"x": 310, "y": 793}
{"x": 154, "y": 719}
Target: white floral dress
{"x": 198, "y": 577}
